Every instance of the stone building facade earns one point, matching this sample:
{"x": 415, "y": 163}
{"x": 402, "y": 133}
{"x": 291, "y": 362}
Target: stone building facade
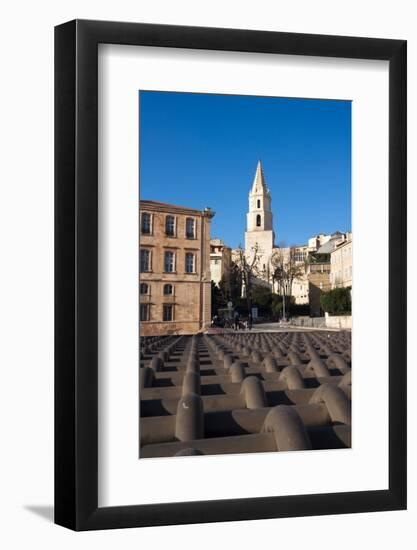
{"x": 318, "y": 240}
{"x": 341, "y": 263}
{"x": 174, "y": 279}
{"x": 318, "y": 275}
{"x": 331, "y": 266}
{"x": 220, "y": 260}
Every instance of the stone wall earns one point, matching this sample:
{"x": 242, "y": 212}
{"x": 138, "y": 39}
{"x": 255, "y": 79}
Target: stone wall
{"x": 341, "y": 322}
{"x": 318, "y": 282}
{"x": 338, "y": 321}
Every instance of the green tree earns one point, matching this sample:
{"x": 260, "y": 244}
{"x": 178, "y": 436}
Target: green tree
{"x": 262, "y": 296}
{"x": 216, "y": 299}
{"x": 337, "y": 301}
{"x": 231, "y": 284}
{"x": 248, "y": 269}
{"x": 276, "y": 305}
{"x": 285, "y": 270}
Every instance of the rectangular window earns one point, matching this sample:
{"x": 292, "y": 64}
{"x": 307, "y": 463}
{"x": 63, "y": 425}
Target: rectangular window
{"x": 189, "y": 228}
{"x": 144, "y": 288}
{"x": 168, "y": 312}
{"x": 144, "y": 312}
{"x": 170, "y": 226}
{"x": 145, "y": 260}
{"x": 146, "y": 223}
{"x": 299, "y": 256}
{"x": 168, "y": 290}
{"x": 189, "y": 262}
{"x": 169, "y": 262}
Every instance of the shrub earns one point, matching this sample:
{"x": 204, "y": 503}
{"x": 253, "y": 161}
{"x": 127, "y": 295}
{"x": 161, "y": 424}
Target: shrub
{"x": 337, "y": 301}
{"x": 300, "y": 309}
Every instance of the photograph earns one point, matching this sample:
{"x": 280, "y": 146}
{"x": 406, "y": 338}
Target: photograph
{"x": 245, "y": 274}
{"x": 183, "y": 300}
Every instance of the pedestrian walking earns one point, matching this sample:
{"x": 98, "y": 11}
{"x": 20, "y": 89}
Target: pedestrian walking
{"x": 236, "y": 319}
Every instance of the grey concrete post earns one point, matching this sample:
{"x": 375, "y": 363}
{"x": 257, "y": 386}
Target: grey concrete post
{"x": 292, "y": 377}
{"x": 337, "y": 403}
{"x": 270, "y": 364}
{"x": 191, "y": 383}
{"x": 254, "y": 393}
{"x": 288, "y": 429}
{"x": 146, "y": 377}
{"x": 157, "y": 364}
{"x": 190, "y": 418}
{"x": 237, "y": 372}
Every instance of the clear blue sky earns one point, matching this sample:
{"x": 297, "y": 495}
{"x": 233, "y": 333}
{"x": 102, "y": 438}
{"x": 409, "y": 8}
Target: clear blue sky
{"x": 201, "y": 150}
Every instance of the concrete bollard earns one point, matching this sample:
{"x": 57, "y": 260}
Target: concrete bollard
{"x": 221, "y": 353}
{"x": 146, "y": 377}
{"x": 346, "y": 384}
{"x": 292, "y": 378}
{"x": 191, "y": 383}
{"x": 336, "y": 401}
{"x": 164, "y": 355}
{"x": 288, "y": 429}
{"x": 193, "y": 365}
{"x": 189, "y": 422}
{"x": 256, "y": 356}
{"x": 254, "y": 393}
{"x": 270, "y": 364}
{"x": 318, "y": 367}
{"x": 294, "y": 358}
{"x": 237, "y": 372}
{"x": 346, "y": 380}
{"x": 227, "y": 361}
{"x": 157, "y": 364}
{"x": 338, "y": 362}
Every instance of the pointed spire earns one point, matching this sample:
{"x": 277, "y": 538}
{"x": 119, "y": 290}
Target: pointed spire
{"x": 259, "y": 184}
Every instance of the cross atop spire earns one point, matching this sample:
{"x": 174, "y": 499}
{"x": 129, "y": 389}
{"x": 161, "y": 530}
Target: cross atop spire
{"x": 259, "y": 183}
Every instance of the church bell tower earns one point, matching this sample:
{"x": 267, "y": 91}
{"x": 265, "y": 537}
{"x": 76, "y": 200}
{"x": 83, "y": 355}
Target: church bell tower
{"x": 259, "y": 229}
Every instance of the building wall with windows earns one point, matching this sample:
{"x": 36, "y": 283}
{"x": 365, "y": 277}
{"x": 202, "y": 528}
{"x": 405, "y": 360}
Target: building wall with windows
{"x": 300, "y": 286}
{"x": 314, "y": 243}
{"x": 174, "y": 279}
{"x": 341, "y": 263}
{"x": 220, "y": 260}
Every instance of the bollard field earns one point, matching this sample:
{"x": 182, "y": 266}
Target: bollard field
{"x": 245, "y": 393}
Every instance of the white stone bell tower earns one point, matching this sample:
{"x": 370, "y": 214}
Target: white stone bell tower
{"x": 259, "y": 230}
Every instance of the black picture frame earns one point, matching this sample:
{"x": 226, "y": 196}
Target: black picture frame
{"x": 76, "y": 271}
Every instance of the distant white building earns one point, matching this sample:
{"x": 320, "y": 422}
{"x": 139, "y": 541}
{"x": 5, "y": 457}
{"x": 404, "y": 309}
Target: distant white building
{"x": 317, "y": 241}
{"x": 341, "y": 262}
{"x": 220, "y": 260}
